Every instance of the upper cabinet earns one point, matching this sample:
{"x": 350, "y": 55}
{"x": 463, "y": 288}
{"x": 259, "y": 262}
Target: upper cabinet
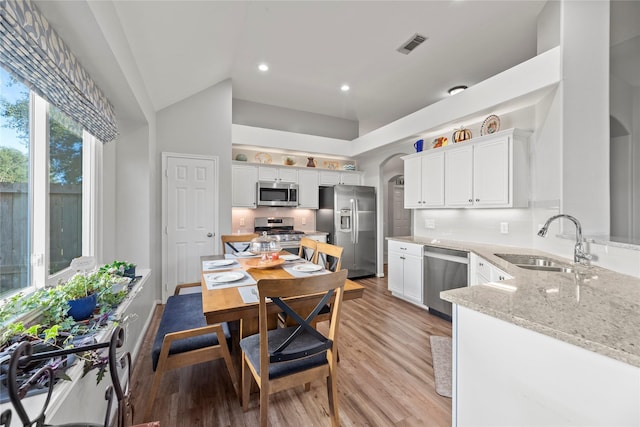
{"x": 243, "y": 186}
{"x": 274, "y": 174}
{"x": 308, "y": 188}
{"x": 488, "y": 172}
{"x": 424, "y": 180}
{"x": 335, "y": 178}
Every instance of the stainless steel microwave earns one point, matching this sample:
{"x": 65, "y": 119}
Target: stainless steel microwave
{"x": 277, "y": 194}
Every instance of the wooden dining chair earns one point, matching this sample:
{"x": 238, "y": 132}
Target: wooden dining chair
{"x": 286, "y": 357}
{"x": 233, "y": 243}
{"x": 307, "y": 249}
{"x": 184, "y": 339}
{"x": 329, "y": 256}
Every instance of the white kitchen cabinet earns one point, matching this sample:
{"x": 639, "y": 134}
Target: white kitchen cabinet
{"x": 308, "y": 189}
{"x": 482, "y": 271}
{"x": 317, "y": 237}
{"x": 327, "y": 177}
{"x": 405, "y": 270}
{"x": 243, "y": 186}
{"x": 459, "y": 177}
{"x": 272, "y": 174}
{"x": 507, "y": 375}
{"x": 424, "y": 180}
{"x": 490, "y": 171}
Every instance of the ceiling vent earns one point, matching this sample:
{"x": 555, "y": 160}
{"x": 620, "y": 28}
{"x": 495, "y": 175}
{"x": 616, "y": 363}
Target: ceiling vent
{"x": 408, "y": 46}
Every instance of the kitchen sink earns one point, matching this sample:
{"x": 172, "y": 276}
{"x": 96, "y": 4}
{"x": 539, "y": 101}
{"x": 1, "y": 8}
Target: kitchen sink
{"x": 534, "y": 262}
{"x": 553, "y": 268}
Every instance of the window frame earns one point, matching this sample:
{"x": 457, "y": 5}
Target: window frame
{"x": 39, "y": 208}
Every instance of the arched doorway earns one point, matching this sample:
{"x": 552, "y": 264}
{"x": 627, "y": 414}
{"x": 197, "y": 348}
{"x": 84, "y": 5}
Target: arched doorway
{"x": 394, "y": 216}
{"x": 620, "y": 181}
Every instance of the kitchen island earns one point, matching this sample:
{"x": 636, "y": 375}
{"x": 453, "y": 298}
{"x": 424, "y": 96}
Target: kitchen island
{"x": 545, "y": 348}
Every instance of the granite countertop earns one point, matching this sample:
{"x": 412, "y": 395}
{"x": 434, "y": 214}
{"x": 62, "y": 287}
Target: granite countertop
{"x": 593, "y": 308}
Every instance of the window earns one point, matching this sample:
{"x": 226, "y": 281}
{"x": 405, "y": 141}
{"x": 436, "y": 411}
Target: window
{"x": 15, "y": 186}
{"x": 65, "y": 190}
{"x": 46, "y": 194}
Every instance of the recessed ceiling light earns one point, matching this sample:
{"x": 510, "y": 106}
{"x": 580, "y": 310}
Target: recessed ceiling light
{"x": 345, "y": 88}
{"x": 457, "y": 89}
{"x": 263, "y": 67}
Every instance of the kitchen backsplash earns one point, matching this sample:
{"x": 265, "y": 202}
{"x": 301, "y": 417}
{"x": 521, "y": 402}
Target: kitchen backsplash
{"x": 242, "y": 219}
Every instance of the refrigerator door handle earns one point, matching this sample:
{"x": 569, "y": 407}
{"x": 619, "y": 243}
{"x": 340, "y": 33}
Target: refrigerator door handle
{"x": 356, "y": 218}
{"x": 353, "y": 224}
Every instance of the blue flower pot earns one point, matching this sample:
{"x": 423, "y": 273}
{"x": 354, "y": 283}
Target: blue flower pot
{"x": 82, "y": 308}
{"x": 130, "y": 272}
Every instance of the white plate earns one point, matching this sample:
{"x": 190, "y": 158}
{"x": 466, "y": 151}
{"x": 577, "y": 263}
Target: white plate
{"x": 289, "y": 257}
{"x": 230, "y": 276}
{"x": 219, "y": 262}
{"x": 307, "y": 268}
{"x": 246, "y": 254}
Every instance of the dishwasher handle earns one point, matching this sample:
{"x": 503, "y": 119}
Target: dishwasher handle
{"x": 447, "y": 257}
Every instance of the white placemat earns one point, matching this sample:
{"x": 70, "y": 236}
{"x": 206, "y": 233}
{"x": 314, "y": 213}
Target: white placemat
{"x": 211, "y": 284}
{"x": 249, "y": 294}
{"x": 295, "y": 273}
{"x": 210, "y": 265}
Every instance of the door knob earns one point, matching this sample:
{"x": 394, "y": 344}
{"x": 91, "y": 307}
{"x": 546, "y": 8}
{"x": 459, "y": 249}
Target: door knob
{"x": 209, "y": 235}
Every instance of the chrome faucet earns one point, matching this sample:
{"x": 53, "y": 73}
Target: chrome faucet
{"x": 579, "y": 254}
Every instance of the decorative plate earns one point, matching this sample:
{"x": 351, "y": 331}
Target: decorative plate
{"x": 307, "y": 268}
{"x": 331, "y": 164}
{"x": 289, "y": 257}
{"x": 490, "y": 125}
{"x": 263, "y": 158}
{"x": 230, "y": 276}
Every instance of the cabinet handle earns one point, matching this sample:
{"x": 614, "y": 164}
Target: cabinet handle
{"x": 404, "y": 249}
{"x": 500, "y": 277}
{"x": 470, "y": 200}
{"x": 477, "y": 200}
{"x": 481, "y": 264}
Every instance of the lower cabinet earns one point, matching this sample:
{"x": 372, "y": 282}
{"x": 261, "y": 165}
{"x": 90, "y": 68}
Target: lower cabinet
{"x": 405, "y": 265}
{"x": 483, "y": 271}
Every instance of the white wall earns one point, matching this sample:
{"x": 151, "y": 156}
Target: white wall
{"x": 270, "y": 116}
{"x": 201, "y": 124}
{"x": 585, "y": 113}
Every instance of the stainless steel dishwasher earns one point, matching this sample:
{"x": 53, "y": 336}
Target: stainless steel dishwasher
{"x": 444, "y": 269}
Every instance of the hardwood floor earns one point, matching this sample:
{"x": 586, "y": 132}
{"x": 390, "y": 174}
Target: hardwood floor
{"x": 385, "y": 376}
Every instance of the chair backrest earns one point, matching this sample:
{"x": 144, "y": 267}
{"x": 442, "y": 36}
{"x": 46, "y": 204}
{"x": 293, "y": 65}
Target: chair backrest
{"x": 329, "y": 256}
{"x": 23, "y": 356}
{"x": 307, "y": 249}
{"x": 304, "y": 340}
{"x": 232, "y": 243}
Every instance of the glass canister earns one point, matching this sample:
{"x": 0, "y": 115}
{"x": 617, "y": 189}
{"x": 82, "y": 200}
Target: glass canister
{"x": 265, "y": 245}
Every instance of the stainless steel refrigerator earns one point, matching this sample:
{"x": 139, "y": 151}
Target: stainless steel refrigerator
{"x": 348, "y": 214}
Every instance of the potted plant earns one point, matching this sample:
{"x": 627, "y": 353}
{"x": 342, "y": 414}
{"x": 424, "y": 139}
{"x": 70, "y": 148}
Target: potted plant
{"x": 121, "y": 268}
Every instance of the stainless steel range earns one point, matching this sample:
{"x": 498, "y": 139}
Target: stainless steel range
{"x": 281, "y": 227}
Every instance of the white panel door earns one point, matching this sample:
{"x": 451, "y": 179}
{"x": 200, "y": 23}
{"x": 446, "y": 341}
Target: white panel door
{"x": 191, "y": 197}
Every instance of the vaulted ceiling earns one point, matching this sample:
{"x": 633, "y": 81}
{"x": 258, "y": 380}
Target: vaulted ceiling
{"x": 313, "y": 47}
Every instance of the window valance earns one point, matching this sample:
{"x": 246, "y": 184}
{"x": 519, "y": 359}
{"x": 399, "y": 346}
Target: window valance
{"x": 32, "y": 51}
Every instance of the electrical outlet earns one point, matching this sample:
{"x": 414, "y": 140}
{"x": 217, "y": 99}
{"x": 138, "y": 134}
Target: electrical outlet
{"x": 430, "y": 223}
{"x": 242, "y": 221}
{"x": 504, "y": 227}
{"x": 304, "y": 220}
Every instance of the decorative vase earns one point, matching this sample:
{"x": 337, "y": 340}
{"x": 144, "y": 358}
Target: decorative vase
{"x": 82, "y": 308}
{"x": 311, "y": 163}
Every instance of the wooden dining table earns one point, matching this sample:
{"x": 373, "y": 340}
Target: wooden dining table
{"x": 226, "y": 304}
